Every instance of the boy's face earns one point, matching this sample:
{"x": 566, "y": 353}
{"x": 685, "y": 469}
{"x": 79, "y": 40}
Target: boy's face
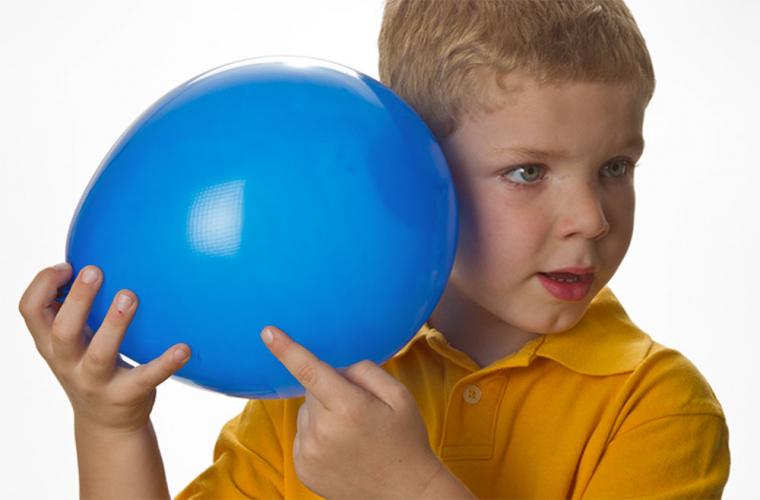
{"x": 543, "y": 183}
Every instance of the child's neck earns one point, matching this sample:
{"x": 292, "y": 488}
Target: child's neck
{"x": 475, "y": 331}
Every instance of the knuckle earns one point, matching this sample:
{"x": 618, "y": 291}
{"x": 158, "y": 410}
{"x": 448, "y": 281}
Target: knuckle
{"x": 58, "y": 329}
{"x": 111, "y": 319}
{"x": 62, "y": 375}
{"x": 125, "y": 400}
{"x": 140, "y": 385}
{"x": 98, "y": 360}
{"x": 81, "y": 290}
{"x": 353, "y": 413}
{"x": 79, "y": 298}
{"x": 301, "y": 466}
{"x": 42, "y": 276}
{"x": 401, "y": 396}
{"x": 300, "y": 470}
{"x": 361, "y": 367}
{"x": 147, "y": 379}
{"x": 88, "y": 390}
{"x": 41, "y": 349}
{"x": 320, "y": 432}
{"x": 364, "y": 364}
{"x": 307, "y": 374}
{"x": 309, "y": 450}
{"x": 23, "y": 306}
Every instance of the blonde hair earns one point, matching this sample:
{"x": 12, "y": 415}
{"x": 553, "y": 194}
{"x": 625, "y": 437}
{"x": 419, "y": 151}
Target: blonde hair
{"x": 433, "y": 52}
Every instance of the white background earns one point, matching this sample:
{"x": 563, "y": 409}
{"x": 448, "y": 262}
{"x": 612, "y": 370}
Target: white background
{"x": 75, "y": 74}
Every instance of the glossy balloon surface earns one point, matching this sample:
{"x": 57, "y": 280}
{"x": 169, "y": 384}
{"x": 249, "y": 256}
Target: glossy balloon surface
{"x": 285, "y": 191}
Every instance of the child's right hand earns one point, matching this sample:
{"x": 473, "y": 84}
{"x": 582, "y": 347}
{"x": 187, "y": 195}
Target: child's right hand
{"x": 105, "y": 393}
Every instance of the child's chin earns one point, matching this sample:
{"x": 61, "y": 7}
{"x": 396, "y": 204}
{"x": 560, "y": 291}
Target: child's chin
{"x": 561, "y": 319}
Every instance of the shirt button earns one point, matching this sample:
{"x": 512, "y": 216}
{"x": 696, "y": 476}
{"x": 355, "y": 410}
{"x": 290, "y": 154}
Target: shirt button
{"x": 472, "y": 394}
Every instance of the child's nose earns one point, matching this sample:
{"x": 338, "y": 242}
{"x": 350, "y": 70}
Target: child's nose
{"x": 582, "y": 213}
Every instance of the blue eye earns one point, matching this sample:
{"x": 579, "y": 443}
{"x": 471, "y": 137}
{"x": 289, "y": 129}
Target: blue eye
{"x": 618, "y": 168}
{"x": 527, "y": 173}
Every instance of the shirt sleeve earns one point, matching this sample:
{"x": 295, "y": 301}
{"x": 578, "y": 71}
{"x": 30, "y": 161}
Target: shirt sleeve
{"x": 674, "y": 456}
{"x": 248, "y": 460}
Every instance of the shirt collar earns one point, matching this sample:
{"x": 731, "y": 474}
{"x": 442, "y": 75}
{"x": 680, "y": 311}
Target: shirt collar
{"x": 604, "y": 342}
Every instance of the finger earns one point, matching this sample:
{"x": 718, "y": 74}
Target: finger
{"x": 296, "y": 445}
{"x": 375, "y": 380}
{"x": 302, "y": 424}
{"x": 38, "y": 306}
{"x": 302, "y": 419}
{"x": 312, "y": 403}
{"x": 322, "y": 380}
{"x": 100, "y": 359}
{"x": 67, "y": 339}
{"x": 144, "y": 378}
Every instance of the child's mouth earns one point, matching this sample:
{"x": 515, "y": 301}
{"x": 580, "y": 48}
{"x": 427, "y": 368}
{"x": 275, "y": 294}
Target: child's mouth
{"x": 567, "y": 286}
{"x": 563, "y": 277}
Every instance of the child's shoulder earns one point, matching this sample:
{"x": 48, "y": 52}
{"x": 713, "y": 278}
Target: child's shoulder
{"x": 667, "y": 381}
{"x": 657, "y": 380}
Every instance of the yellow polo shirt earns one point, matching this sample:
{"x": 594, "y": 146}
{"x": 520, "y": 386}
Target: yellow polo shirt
{"x": 597, "y": 411}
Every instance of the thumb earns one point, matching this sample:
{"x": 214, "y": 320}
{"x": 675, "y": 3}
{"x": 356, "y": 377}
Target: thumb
{"x": 145, "y": 378}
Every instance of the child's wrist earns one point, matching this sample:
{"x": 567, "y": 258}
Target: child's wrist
{"x": 84, "y": 426}
{"x": 444, "y": 484}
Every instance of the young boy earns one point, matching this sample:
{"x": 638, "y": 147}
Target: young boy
{"x": 529, "y": 379}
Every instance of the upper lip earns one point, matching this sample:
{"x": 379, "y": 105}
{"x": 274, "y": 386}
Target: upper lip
{"x": 574, "y": 270}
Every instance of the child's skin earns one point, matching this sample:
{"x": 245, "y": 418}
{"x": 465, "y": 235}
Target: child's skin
{"x": 359, "y": 431}
{"x": 568, "y": 214}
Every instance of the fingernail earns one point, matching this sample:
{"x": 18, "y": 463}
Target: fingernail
{"x": 123, "y": 301}
{"x": 181, "y": 355}
{"x": 266, "y": 335}
{"x": 89, "y": 275}
{"x": 62, "y": 266}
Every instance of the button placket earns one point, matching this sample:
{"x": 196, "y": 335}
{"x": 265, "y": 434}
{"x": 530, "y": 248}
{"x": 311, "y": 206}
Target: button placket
{"x": 469, "y": 424}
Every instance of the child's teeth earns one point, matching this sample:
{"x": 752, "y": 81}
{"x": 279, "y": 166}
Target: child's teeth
{"x": 564, "y": 280}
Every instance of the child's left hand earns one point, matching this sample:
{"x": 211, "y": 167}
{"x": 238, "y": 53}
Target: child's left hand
{"x": 360, "y": 433}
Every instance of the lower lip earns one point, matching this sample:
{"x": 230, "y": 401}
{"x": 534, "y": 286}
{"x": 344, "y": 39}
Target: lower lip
{"x": 568, "y": 291}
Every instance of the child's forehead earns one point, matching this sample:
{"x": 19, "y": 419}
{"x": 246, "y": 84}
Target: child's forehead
{"x": 530, "y": 118}
{"x": 520, "y": 87}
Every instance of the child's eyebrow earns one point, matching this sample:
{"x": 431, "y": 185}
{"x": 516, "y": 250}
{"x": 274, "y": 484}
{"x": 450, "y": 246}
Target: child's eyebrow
{"x": 634, "y": 144}
{"x": 530, "y": 152}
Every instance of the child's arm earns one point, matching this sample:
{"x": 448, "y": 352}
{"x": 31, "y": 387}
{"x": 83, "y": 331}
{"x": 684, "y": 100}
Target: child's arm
{"x": 117, "y": 452}
{"x": 119, "y": 465}
{"x": 359, "y": 433}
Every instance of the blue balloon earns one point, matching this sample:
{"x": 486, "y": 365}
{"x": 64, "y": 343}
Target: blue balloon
{"x": 282, "y": 190}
